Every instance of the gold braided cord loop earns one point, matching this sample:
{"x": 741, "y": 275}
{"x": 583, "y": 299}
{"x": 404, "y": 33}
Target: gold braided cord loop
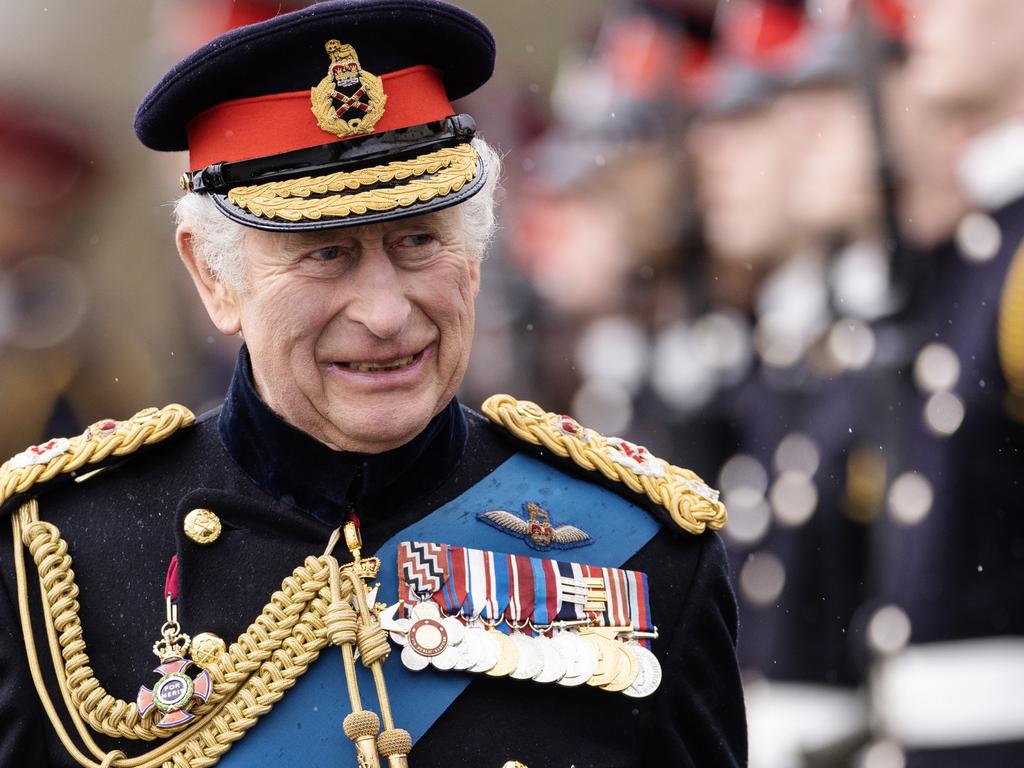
{"x": 248, "y": 678}
{"x": 424, "y": 178}
{"x": 692, "y": 505}
{"x": 93, "y": 446}
{"x": 266, "y": 659}
{"x": 1011, "y": 335}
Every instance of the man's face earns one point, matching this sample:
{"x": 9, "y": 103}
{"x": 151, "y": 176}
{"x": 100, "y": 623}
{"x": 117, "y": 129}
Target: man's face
{"x": 831, "y": 188}
{"x": 965, "y": 53}
{"x": 360, "y": 336}
{"x": 739, "y": 171}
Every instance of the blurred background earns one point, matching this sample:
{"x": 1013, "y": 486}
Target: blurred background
{"x": 775, "y": 241}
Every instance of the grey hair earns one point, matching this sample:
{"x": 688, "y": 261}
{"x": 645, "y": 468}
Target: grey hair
{"x": 218, "y": 242}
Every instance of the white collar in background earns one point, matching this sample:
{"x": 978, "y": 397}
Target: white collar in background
{"x": 991, "y": 168}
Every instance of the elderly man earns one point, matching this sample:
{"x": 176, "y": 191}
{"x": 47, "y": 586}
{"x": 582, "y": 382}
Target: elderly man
{"x": 338, "y": 225}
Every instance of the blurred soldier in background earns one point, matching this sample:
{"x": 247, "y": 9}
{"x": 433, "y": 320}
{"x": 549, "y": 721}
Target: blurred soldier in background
{"x": 799, "y": 415}
{"x": 45, "y": 180}
{"x": 950, "y": 553}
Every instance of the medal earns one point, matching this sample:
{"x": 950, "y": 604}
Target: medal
{"x": 649, "y": 672}
{"x": 508, "y": 655}
{"x": 627, "y": 672}
{"x": 487, "y": 649}
{"x": 580, "y": 658}
{"x": 456, "y": 597}
{"x": 607, "y": 660}
{"x": 181, "y": 683}
{"x": 531, "y": 660}
{"x": 432, "y": 638}
{"x": 552, "y": 665}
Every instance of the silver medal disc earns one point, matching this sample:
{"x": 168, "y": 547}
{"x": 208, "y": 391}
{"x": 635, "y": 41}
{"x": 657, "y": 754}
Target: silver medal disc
{"x": 447, "y": 658}
{"x": 468, "y": 652}
{"x": 580, "y": 657}
{"x": 413, "y": 660}
{"x": 487, "y": 649}
{"x": 553, "y": 668}
{"x": 649, "y": 677}
{"x": 531, "y": 660}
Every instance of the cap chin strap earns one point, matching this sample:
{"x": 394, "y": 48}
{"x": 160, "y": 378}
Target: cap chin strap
{"x": 348, "y": 155}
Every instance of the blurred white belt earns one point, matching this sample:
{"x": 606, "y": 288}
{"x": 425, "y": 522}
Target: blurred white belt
{"x": 959, "y": 693}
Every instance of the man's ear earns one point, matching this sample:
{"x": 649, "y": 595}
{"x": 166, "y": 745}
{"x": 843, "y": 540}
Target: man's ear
{"x": 221, "y": 301}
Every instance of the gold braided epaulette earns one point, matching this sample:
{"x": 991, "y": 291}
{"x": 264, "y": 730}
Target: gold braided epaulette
{"x": 690, "y": 502}
{"x": 100, "y": 441}
{"x": 1011, "y": 336}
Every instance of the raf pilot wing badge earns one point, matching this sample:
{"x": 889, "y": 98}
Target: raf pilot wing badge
{"x": 537, "y": 531}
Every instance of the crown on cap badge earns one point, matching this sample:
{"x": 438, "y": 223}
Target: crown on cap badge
{"x": 349, "y": 100}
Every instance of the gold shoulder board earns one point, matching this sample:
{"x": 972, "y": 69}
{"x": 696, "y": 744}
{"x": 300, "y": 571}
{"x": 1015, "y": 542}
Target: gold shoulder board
{"x": 100, "y": 441}
{"x": 690, "y": 502}
{"x": 1011, "y": 335}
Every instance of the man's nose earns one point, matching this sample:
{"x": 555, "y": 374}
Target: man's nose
{"x": 380, "y": 303}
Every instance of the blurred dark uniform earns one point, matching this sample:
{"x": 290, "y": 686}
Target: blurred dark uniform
{"x": 270, "y": 496}
{"x": 950, "y": 553}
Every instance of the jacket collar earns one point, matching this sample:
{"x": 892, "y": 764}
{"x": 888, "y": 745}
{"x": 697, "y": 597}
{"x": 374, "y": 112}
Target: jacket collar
{"x": 295, "y": 468}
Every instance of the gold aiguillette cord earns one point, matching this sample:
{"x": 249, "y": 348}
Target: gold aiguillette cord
{"x": 241, "y": 695}
{"x": 347, "y": 628}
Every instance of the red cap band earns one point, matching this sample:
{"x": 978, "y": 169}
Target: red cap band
{"x": 269, "y": 125}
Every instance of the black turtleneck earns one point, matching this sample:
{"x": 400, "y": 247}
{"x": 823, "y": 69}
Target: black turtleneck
{"x": 297, "y": 469}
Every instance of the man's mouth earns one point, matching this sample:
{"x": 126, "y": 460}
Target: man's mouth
{"x": 384, "y": 365}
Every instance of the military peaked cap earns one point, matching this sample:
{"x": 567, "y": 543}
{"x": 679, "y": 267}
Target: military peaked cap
{"x": 334, "y": 115}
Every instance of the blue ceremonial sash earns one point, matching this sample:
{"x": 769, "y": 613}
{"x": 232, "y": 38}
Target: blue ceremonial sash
{"x": 304, "y": 727}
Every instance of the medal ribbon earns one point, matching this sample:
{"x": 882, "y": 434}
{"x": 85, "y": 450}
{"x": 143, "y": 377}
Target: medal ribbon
{"x": 498, "y": 587}
{"x": 570, "y": 589}
{"x": 594, "y": 572}
{"x": 523, "y": 598}
{"x": 453, "y": 596}
{"x": 477, "y": 576}
{"x": 545, "y": 598}
{"x": 640, "y": 605}
{"x": 520, "y": 588}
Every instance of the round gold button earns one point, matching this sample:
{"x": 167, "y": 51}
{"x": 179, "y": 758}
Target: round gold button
{"x": 202, "y": 526}
{"x": 206, "y": 649}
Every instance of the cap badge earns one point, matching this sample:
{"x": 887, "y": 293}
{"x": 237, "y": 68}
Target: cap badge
{"x": 349, "y": 100}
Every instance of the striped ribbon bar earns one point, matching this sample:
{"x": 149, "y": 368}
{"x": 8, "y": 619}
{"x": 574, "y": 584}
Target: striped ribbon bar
{"x": 472, "y": 583}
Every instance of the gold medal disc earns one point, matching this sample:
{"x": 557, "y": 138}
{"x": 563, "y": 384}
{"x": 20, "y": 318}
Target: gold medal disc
{"x": 508, "y": 656}
{"x": 627, "y": 669}
{"x": 607, "y": 660}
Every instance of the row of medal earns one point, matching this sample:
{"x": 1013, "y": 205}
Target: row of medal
{"x": 567, "y": 623}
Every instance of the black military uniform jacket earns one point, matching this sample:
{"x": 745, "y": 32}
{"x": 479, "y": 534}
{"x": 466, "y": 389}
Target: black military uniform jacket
{"x": 279, "y": 494}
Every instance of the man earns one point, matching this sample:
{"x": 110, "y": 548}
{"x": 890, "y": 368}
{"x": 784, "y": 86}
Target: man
{"x": 946, "y": 631}
{"x": 346, "y": 252}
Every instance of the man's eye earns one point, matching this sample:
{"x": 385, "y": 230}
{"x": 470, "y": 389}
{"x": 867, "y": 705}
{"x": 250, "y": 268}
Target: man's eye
{"x": 416, "y": 241}
{"x": 327, "y": 254}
